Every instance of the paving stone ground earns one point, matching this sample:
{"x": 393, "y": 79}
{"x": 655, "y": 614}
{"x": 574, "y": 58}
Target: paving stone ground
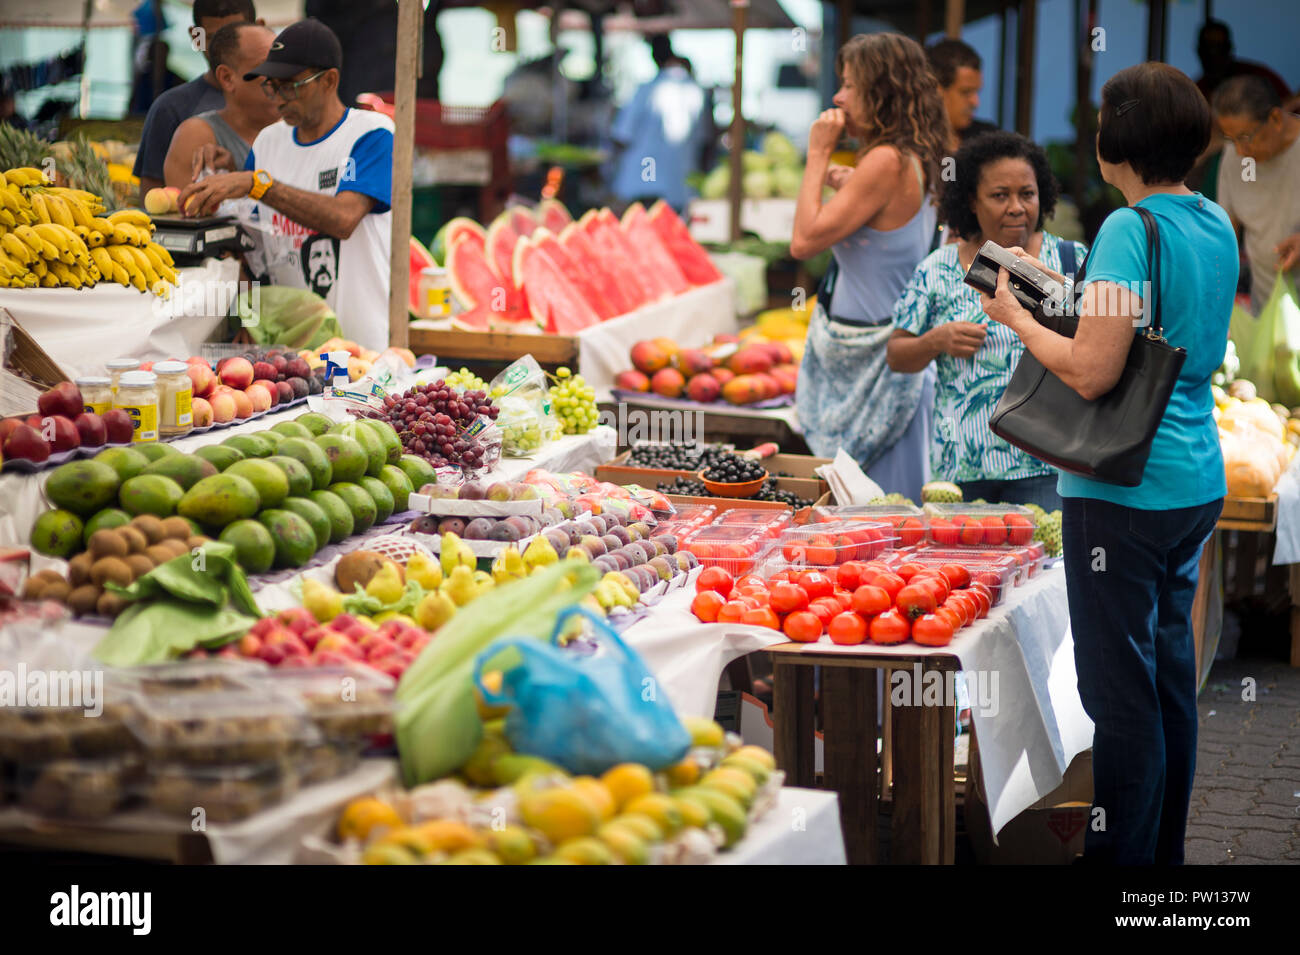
{"x": 1246, "y": 798}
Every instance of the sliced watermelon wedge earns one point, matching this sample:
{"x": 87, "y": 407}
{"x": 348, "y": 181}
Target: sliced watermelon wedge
{"x": 500, "y": 241}
{"x": 554, "y": 301}
{"x": 476, "y": 283}
{"x": 576, "y": 271}
{"x": 648, "y": 245}
{"x": 522, "y": 219}
{"x": 450, "y": 231}
{"x": 553, "y": 214}
{"x": 654, "y": 266}
{"x": 636, "y": 289}
{"x": 676, "y": 237}
{"x": 619, "y": 294}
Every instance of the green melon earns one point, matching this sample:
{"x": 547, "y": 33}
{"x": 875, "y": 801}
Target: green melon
{"x": 308, "y": 453}
{"x": 220, "y": 455}
{"x": 299, "y": 477}
{"x": 359, "y": 502}
{"x": 340, "y": 515}
{"x": 313, "y": 514}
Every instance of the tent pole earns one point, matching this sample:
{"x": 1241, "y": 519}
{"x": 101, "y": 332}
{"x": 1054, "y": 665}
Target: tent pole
{"x": 737, "y": 136}
{"x": 954, "y": 16}
{"x": 410, "y": 13}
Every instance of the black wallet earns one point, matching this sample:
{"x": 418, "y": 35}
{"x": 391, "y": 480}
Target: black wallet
{"x": 1031, "y": 286}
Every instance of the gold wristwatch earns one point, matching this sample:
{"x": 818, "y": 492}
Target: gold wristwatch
{"x": 262, "y": 181}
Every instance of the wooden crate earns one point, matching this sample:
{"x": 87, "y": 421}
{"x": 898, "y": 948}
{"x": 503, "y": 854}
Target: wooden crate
{"x": 805, "y": 482}
{"x": 487, "y": 354}
{"x": 1249, "y": 513}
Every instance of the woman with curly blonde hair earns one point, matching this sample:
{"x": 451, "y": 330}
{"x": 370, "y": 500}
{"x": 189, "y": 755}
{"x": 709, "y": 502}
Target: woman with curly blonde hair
{"x": 879, "y": 223}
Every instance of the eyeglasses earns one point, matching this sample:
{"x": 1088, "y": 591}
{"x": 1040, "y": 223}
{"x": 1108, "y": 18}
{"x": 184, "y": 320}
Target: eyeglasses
{"x": 1246, "y": 139}
{"x": 287, "y": 91}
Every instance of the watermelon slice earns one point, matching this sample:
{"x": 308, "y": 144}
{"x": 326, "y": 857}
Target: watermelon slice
{"x": 604, "y": 231}
{"x": 452, "y": 230}
{"x": 522, "y": 219}
{"x": 421, "y": 258}
{"x": 553, "y": 215}
{"x": 635, "y": 289}
{"x": 653, "y": 254}
{"x": 500, "y": 241}
{"x": 619, "y": 294}
{"x": 476, "y": 284}
{"x": 652, "y": 261}
{"x": 555, "y": 303}
{"x": 576, "y": 271}
{"x": 690, "y": 256}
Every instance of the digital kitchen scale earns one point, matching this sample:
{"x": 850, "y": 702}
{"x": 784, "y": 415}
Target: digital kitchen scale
{"x": 191, "y": 240}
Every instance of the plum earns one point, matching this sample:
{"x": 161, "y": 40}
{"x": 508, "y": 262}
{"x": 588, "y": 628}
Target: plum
{"x": 479, "y": 528}
{"x": 454, "y": 525}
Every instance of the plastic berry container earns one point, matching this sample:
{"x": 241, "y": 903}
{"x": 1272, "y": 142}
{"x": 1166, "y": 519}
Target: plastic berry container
{"x": 827, "y": 545}
{"x": 344, "y": 703}
{"x": 770, "y": 520}
{"x": 82, "y": 789}
{"x": 998, "y": 575}
{"x": 235, "y": 726}
{"x": 691, "y": 516}
{"x": 910, "y": 524}
{"x": 42, "y": 733}
{"x": 192, "y": 676}
{"x": 224, "y": 793}
{"x": 328, "y": 759}
{"x": 733, "y": 547}
{"x": 980, "y": 525}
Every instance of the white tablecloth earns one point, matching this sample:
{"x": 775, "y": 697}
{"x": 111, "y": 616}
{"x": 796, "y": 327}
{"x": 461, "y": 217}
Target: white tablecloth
{"x": 1033, "y": 727}
{"x": 1287, "y": 548}
{"x": 803, "y": 828}
{"x": 82, "y": 329}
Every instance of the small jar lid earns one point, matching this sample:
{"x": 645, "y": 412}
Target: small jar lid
{"x": 433, "y": 271}
{"x": 94, "y": 381}
{"x": 169, "y": 367}
{"x": 137, "y": 378}
{"x": 122, "y": 364}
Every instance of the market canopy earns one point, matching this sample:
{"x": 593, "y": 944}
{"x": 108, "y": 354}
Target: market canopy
{"x": 114, "y": 14}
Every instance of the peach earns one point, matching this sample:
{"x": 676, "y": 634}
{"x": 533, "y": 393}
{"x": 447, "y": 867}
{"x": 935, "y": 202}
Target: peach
{"x": 202, "y": 413}
{"x": 704, "y": 387}
{"x": 357, "y": 368}
{"x": 237, "y": 373}
{"x": 722, "y": 374}
{"x": 159, "y": 202}
{"x": 750, "y": 360}
{"x": 692, "y": 361}
{"x": 743, "y": 390}
{"x": 668, "y": 382}
{"x": 223, "y": 406}
{"x": 271, "y": 390}
{"x": 631, "y": 380}
{"x": 259, "y": 398}
{"x": 202, "y": 380}
{"x": 649, "y": 357}
{"x": 244, "y": 403}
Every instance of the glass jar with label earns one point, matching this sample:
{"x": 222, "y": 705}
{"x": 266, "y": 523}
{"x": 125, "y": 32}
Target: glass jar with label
{"x": 119, "y": 366}
{"x": 434, "y": 293}
{"x": 137, "y": 395}
{"x": 175, "y": 394}
{"x": 96, "y": 394}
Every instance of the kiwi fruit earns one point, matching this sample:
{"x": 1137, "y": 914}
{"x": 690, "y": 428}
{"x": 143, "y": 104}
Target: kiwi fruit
{"x": 56, "y": 590}
{"x": 79, "y": 569}
{"x": 109, "y": 604}
{"x": 107, "y": 543}
{"x": 151, "y": 526}
{"x": 83, "y": 600}
{"x": 177, "y": 547}
{"x": 140, "y": 565}
{"x": 34, "y": 588}
{"x": 111, "y": 568}
{"x": 135, "y": 539}
{"x": 159, "y": 553}
{"x": 198, "y": 540}
{"x": 176, "y": 527}
{"x": 50, "y": 576}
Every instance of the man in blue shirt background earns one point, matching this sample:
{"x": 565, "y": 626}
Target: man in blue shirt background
{"x": 661, "y": 131}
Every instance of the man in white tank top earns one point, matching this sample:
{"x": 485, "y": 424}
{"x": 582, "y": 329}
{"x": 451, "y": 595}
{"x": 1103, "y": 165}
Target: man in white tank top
{"x": 321, "y": 179}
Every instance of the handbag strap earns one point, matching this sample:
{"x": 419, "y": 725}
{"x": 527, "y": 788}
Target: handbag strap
{"x": 1153, "y": 259}
{"x": 1065, "y": 249}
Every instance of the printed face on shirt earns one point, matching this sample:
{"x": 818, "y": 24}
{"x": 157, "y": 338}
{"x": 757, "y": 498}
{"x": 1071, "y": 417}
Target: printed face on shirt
{"x": 1006, "y": 201}
{"x": 320, "y": 262}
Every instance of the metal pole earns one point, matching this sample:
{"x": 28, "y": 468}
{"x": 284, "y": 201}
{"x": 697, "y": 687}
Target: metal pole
{"x": 738, "y": 10}
{"x": 1156, "y": 30}
{"x": 1004, "y": 43}
{"x": 1085, "y": 19}
{"x": 1025, "y": 65}
{"x": 410, "y": 15}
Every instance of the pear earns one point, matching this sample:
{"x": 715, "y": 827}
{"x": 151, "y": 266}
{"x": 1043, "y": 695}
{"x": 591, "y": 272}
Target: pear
{"x": 630, "y": 593}
{"x": 323, "y": 601}
{"x": 483, "y": 581}
{"x": 425, "y": 572}
{"x": 433, "y": 610}
{"x": 386, "y": 586}
{"x": 509, "y": 565}
{"x": 540, "y": 553}
{"x": 460, "y": 586}
{"x": 455, "y": 553}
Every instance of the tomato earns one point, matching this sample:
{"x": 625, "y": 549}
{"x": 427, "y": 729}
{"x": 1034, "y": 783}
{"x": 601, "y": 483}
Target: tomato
{"x": 935, "y": 582}
{"x": 749, "y": 601}
{"x": 984, "y": 596}
{"x": 953, "y": 615}
{"x": 788, "y": 598}
{"x": 714, "y": 578}
{"x": 995, "y": 530}
{"x": 848, "y": 628}
{"x": 965, "y": 603}
{"x": 821, "y": 555}
{"x": 909, "y": 570}
{"x": 844, "y": 597}
{"x": 794, "y": 552}
{"x": 990, "y": 580}
{"x": 802, "y": 627}
{"x": 944, "y": 531}
{"x": 731, "y": 612}
{"x": 825, "y": 608}
{"x": 869, "y": 600}
{"x": 890, "y": 583}
{"x": 1020, "y": 529}
{"x": 815, "y": 584}
{"x": 910, "y": 531}
{"x": 956, "y": 575}
{"x": 751, "y": 580}
{"x": 849, "y": 575}
{"x": 915, "y": 600}
{"x": 970, "y": 531}
{"x": 932, "y": 630}
{"x": 762, "y": 617}
{"x": 706, "y": 605}
{"x": 739, "y": 556}
{"x": 889, "y": 627}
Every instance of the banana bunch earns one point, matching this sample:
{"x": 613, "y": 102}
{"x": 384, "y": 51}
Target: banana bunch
{"x": 55, "y": 237}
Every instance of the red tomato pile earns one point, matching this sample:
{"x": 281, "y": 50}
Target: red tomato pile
{"x": 853, "y": 603}
{"x": 827, "y": 545}
{"x": 993, "y": 529}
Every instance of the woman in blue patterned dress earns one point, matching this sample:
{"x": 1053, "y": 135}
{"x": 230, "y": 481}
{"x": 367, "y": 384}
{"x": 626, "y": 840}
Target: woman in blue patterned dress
{"x": 1002, "y": 190}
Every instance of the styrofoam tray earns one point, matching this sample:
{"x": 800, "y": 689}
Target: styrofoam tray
{"x": 454, "y": 507}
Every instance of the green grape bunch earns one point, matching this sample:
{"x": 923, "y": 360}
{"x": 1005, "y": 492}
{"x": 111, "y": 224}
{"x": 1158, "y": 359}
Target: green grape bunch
{"x": 466, "y": 380}
{"x": 574, "y": 402}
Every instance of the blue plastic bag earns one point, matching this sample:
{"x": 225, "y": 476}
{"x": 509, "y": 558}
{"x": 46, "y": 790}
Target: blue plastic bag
{"x": 583, "y": 709}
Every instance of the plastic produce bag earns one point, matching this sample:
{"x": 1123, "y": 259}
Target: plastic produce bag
{"x": 277, "y": 315}
{"x": 583, "y": 710}
{"x": 438, "y": 725}
{"x": 1283, "y": 313}
{"x": 1253, "y": 338}
{"x": 527, "y": 419}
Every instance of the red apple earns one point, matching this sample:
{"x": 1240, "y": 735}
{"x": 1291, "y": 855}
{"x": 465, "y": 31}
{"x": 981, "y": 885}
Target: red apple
{"x": 271, "y": 654}
{"x": 119, "y": 426}
{"x": 331, "y": 658}
{"x": 250, "y": 644}
{"x": 201, "y": 379}
{"x": 91, "y": 428}
{"x": 63, "y": 399}
{"x": 315, "y": 635}
{"x": 237, "y": 373}
{"x": 393, "y": 666}
{"x": 59, "y": 431}
{"x": 7, "y": 426}
{"x": 26, "y": 442}
{"x": 272, "y": 390}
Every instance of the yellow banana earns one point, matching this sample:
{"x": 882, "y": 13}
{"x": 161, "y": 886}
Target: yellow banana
{"x": 99, "y": 255}
{"x": 41, "y": 211}
{"x": 150, "y": 252}
{"x": 10, "y": 200}
{"x": 16, "y": 248}
{"x": 60, "y": 237}
{"x": 67, "y": 277}
{"x": 25, "y": 176}
{"x": 9, "y": 268}
{"x": 93, "y": 271}
{"x": 121, "y": 255}
{"x": 95, "y": 238}
{"x": 121, "y": 276}
{"x": 29, "y": 281}
{"x": 42, "y": 248}
{"x": 4, "y": 282}
{"x": 39, "y": 268}
{"x": 77, "y": 210}
{"x": 7, "y": 219}
{"x": 49, "y": 280}
{"x": 161, "y": 252}
{"x": 132, "y": 217}
{"x": 168, "y": 274}
{"x": 142, "y": 263}
{"x": 58, "y": 209}
{"x": 101, "y": 224}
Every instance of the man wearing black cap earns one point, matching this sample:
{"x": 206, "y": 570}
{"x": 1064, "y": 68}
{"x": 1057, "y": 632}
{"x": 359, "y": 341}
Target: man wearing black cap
{"x": 321, "y": 179}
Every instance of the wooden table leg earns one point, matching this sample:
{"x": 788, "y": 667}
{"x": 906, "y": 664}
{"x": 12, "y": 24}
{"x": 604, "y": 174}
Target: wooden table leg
{"x": 792, "y": 718}
{"x": 947, "y": 785}
{"x": 848, "y": 696}
{"x": 1295, "y": 614}
{"x": 922, "y": 826}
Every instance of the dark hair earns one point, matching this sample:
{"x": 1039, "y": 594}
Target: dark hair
{"x": 1213, "y": 26}
{"x": 216, "y": 9}
{"x": 947, "y": 56}
{"x": 661, "y": 49}
{"x": 1248, "y": 96}
{"x": 223, "y": 48}
{"x": 1155, "y": 119}
{"x": 957, "y": 199}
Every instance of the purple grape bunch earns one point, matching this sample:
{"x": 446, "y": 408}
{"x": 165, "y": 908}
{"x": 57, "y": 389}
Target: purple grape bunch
{"x": 431, "y": 420}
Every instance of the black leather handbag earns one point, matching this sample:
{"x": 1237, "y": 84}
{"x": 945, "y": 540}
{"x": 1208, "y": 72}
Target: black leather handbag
{"x": 1108, "y": 439}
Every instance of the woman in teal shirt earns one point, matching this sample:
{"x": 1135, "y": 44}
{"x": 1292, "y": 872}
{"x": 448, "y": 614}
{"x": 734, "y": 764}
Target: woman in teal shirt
{"x": 1131, "y": 553}
{"x": 1002, "y": 190}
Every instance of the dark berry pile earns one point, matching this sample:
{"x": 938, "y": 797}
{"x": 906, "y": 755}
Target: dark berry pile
{"x": 733, "y": 469}
{"x": 690, "y": 488}
{"x": 690, "y": 456}
{"x": 431, "y": 420}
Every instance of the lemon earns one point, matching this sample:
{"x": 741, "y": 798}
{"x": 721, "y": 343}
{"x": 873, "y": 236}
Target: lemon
{"x": 512, "y": 844}
{"x": 627, "y": 781}
{"x": 597, "y": 794}
{"x": 559, "y": 814}
{"x": 662, "y": 809}
{"x": 641, "y": 824}
{"x": 586, "y": 850}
